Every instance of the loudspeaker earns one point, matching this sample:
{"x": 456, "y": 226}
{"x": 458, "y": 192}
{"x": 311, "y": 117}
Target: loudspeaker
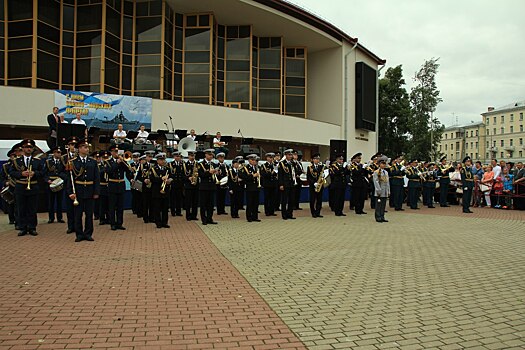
{"x": 365, "y": 97}
{"x": 337, "y": 147}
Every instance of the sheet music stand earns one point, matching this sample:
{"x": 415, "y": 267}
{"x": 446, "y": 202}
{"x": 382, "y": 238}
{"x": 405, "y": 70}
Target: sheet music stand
{"x": 247, "y": 141}
{"x": 226, "y": 139}
{"x": 181, "y": 133}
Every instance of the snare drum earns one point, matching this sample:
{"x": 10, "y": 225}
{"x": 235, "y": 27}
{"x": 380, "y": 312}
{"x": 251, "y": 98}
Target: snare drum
{"x": 56, "y": 185}
{"x": 223, "y": 181}
{"x": 7, "y": 195}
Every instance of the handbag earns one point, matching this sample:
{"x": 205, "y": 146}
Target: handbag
{"x": 484, "y": 188}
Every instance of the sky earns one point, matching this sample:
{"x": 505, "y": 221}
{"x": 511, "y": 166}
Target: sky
{"x": 480, "y": 45}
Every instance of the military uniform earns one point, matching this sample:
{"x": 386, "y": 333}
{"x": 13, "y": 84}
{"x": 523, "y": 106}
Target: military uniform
{"x": 298, "y": 184}
{"x": 66, "y": 159}
{"x": 221, "y": 189}
{"x": 136, "y": 200}
{"x": 26, "y": 198}
{"x": 8, "y": 182}
{"x": 252, "y": 190}
{"x": 467, "y": 182}
{"x": 86, "y": 179}
{"x": 160, "y": 177}
{"x": 397, "y": 185}
{"x": 316, "y": 197}
{"x": 414, "y": 184}
{"x": 54, "y": 169}
{"x": 429, "y": 187}
{"x": 236, "y": 186}
{"x": 444, "y": 181}
{"x": 103, "y": 200}
{"x": 207, "y": 188}
{"x": 270, "y": 183}
{"x": 287, "y": 181}
{"x": 117, "y": 172}
{"x": 371, "y": 189}
{"x": 359, "y": 177}
{"x": 177, "y": 188}
{"x": 338, "y": 185}
{"x": 147, "y": 211}
{"x": 191, "y": 194}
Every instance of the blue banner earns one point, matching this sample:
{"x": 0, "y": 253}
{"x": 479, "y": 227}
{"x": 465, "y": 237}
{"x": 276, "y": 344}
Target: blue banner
{"x": 105, "y": 111}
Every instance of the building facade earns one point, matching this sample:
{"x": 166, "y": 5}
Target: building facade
{"x": 500, "y": 135}
{"x": 264, "y": 66}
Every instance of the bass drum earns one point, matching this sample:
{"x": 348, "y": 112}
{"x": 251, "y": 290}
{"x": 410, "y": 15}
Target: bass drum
{"x": 7, "y": 195}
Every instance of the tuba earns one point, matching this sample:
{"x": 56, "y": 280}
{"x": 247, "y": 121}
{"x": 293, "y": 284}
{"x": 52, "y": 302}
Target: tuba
{"x": 185, "y": 145}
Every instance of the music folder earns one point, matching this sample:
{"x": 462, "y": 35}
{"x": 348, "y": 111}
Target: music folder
{"x": 200, "y": 138}
{"x": 132, "y": 134}
{"x": 247, "y": 141}
{"x": 181, "y": 133}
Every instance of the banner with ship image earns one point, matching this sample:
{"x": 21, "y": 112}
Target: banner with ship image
{"x": 105, "y": 111}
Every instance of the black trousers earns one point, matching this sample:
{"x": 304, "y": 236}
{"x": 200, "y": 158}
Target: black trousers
{"x": 331, "y": 197}
{"x": 412, "y": 196}
{"x": 252, "y": 205}
{"x": 96, "y": 205}
{"x": 161, "y": 209}
{"x": 55, "y": 203}
{"x": 27, "y": 208}
{"x": 316, "y": 201}
{"x": 287, "y": 202}
{"x": 297, "y": 195}
{"x": 135, "y": 201}
{"x": 206, "y": 200}
{"x": 428, "y": 193}
{"x": 443, "y": 192}
{"x": 371, "y": 190}
{"x": 9, "y": 210}
{"x": 116, "y": 209}
{"x": 276, "y": 198}
{"x": 338, "y": 200}
{"x": 85, "y": 207}
{"x": 359, "y": 197}
{"x": 147, "y": 210}
{"x": 103, "y": 206}
{"x": 70, "y": 212}
{"x": 221, "y": 200}
{"x": 397, "y": 196}
{"x": 139, "y": 209}
{"x": 235, "y": 202}
{"x": 176, "y": 200}
{"x": 191, "y": 198}
{"x": 269, "y": 200}
{"x": 380, "y": 207}
{"x": 467, "y": 198}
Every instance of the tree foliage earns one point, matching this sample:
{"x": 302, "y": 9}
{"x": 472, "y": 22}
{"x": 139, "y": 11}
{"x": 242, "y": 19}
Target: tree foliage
{"x": 406, "y": 122}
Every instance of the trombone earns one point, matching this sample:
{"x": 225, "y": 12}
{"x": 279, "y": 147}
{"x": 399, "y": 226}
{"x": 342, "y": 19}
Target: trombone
{"x": 126, "y": 158}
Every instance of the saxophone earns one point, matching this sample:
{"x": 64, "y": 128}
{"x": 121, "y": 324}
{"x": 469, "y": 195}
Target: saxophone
{"x": 320, "y": 181}
{"x": 195, "y": 174}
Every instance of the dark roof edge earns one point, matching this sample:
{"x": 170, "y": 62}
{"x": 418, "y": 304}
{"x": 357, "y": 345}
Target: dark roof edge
{"x": 319, "y": 23}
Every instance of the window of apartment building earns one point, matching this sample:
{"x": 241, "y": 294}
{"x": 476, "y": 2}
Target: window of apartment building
{"x": 502, "y": 119}
{"x": 521, "y": 154}
{"x": 476, "y": 145}
{"x": 521, "y": 128}
{"x": 439, "y": 148}
{"x": 477, "y": 132}
{"x": 511, "y": 129}
{"x": 446, "y": 136}
{"x": 501, "y": 154}
{"x": 466, "y": 145}
{"x": 451, "y": 135}
{"x": 488, "y": 145}
{"x": 472, "y": 145}
{"x": 488, "y": 132}
{"x": 451, "y": 146}
{"x": 494, "y": 131}
{"x": 488, "y": 121}
{"x": 494, "y": 143}
{"x": 521, "y": 142}
{"x": 476, "y": 156}
{"x": 502, "y": 143}
{"x": 521, "y": 116}
{"x": 512, "y": 117}
{"x": 471, "y": 133}
{"x": 495, "y": 118}
{"x": 511, "y": 142}
{"x": 487, "y": 155}
{"x": 446, "y": 147}
{"x": 502, "y": 129}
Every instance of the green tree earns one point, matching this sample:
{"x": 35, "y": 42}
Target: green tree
{"x": 424, "y": 130}
{"x": 394, "y": 112}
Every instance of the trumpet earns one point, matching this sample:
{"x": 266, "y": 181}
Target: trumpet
{"x": 164, "y": 183}
{"x": 258, "y": 177}
{"x": 29, "y": 178}
{"x": 125, "y": 159}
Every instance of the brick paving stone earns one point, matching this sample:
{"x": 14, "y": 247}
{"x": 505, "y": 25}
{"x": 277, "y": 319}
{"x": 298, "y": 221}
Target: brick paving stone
{"x": 428, "y": 278}
{"x": 142, "y": 288}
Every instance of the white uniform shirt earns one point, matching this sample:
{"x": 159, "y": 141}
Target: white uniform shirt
{"x": 78, "y": 121}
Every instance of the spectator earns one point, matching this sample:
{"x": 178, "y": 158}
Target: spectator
{"x": 218, "y": 145}
{"x": 62, "y": 120}
{"x": 508, "y": 179}
{"x": 53, "y": 120}
{"x": 486, "y": 184}
{"x": 519, "y": 187}
{"x": 477, "y": 172}
{"x": 119, "y": 135}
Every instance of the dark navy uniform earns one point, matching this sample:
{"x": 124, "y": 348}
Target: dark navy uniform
{"x": 429, "y": 188}
{"x": 236, "y": 186}
{"x": 191, "y": 195}
{"x": 86, "y": 178}
{"x": 160, "y": 198}
{"x": 103, "y": 200}
{"x": 116, "y": 189}
{"x": 414, "y": 184}
{"x": 8, "y": 182}
{"x": 316, "y": 198}
{"x": 270, "y": 182}
{"x": 277, "y": 194}
{"x": 207, "y": 188}
{"x": 360, "y": 185}
{"x": 444, "y": 182}
{"x": 397, "y": 185}
{"x": 66, "y": 159}
{"x": 467, "y": 182}
{"x": 221, "y": 190}
{"x": 338, "y": 176}
{"x": 147, "y": 211}
{"x": 54, "y": 169}
{"x": 299, "y": 185}
{"x": 286, "y": 178}
{"x": 252, "y": 192}
{"x": 177, "y": 188}
{"x": 26, "y": 199}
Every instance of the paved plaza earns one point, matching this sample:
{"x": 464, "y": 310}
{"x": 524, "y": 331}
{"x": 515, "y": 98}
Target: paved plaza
{"x": 428, "y": 279}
